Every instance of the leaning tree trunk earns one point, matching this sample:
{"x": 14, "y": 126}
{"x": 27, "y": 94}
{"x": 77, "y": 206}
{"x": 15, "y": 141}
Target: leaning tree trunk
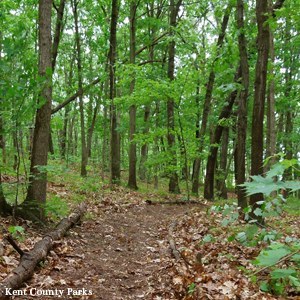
{"x": 212, "y": 158}
{"x": 132, "y": 110}
{"x": 36, "y": 195}
{"x": 207, "y": 103}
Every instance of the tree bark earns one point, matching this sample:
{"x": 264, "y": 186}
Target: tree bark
{"x": 271, "y": 128}
{"x": 38, "y": 176}
{"x": 58, "y": 32}
{"x": 84, "y": 152}
{"x": 240, "y": 152}
{"x": 132, "y": 110}
{"x": 257, "y": 146}
{"x": 174, "y": 180}
{"x": 212, "y": 158}
{"x": 92, "y": 127}
{"x": 221, "y": 183}
{"x": 115, "y": 138}
{"x": 144, "y": 148}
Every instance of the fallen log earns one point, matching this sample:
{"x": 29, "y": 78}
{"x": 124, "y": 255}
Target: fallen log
{"x": 30, "y": 260}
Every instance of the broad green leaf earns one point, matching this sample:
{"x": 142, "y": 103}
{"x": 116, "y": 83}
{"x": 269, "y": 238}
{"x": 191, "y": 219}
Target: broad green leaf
{"x": 270, "y": 257}
{"x": 264, "y": 286}
{"x": 283, "y": 273}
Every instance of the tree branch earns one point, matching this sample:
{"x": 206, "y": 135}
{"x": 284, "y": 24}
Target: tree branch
{"x": 80, "y": 92}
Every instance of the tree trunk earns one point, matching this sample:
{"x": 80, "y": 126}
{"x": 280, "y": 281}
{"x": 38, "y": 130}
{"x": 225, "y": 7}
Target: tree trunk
{"x": 58, "y": 31}
{"x": 132, "y": 111}
{"x": 212, "y": 158}
{"x": 221, "y": 183}
{"x": 63, "y": 134}
{"x": 2, "y": 139}
{"x": 207, "y": 102}
{"x": 144, "y": 148}
{"x": 92, "y": 127}
{"x": 271, "y": 127}
{"x": 84, "y": 153}
{"x": 257, "y": 146}
{"x": 38, "y": 177}
{"x": 240, "y": 152}
{"x": 174, "y": 180}
{"x": 115, "y": 140}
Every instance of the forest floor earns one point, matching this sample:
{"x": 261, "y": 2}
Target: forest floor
{"x": 121, "y": 250}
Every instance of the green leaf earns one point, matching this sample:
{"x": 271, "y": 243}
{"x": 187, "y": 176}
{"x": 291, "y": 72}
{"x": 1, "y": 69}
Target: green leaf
{"x": 293, "y": 186}
{"x": 241, "y": 237}
{"x": 15, "y": 229}
{"x": 271, "y": 256}
{"x": 276, "y": 170}
{"x": 282, "y": 273}
{"x": 264, "y": 286}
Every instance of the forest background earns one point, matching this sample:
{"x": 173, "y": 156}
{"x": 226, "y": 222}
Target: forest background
{"x": 197, "y": 92}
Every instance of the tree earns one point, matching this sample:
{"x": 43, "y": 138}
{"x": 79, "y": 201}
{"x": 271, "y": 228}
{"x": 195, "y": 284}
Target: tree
{"x": 132, "y": 111}
{"x": 84, "y": 150}
{"x": 207, "y": 102}
{"x": 260, "y": 84}
{"x": 174, "y": 180}
{"x": 240, "y": 152}
{"x": 115, "y": 136}
{"x": 38, "y": 174}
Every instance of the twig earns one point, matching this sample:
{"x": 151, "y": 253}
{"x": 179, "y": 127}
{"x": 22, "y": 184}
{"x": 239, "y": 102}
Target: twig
{"x": 10, "y": 239}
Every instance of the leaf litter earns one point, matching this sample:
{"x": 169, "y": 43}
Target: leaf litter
{"x": 122, "y": 251}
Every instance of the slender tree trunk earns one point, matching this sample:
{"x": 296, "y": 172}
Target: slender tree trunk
{"x": 63, "y": 133}
{"x": 56, "y": 41}
{"x": 271, "y": 128}
{"x": 84, "y": 152}
{"x": 174, "y": 180}
{"x": 240, "y": 153}
{"x": 144, "y": 148}
{"x": 2, "y": 138}
{"x": 92, "y": 127}
{"x": 257, "y": 146}
{"x": 58, "y": 31}
{"x": 51, "y": 145}
{"x": 105, "y": 143}
{"x": 212, "y": 158}
{"x": 207, "y": 102}
{"x": 38, "y": 177}
{"x": 115, "y": 140}
{"x": 132, "y": 111}
{"x": 221, "y": 184}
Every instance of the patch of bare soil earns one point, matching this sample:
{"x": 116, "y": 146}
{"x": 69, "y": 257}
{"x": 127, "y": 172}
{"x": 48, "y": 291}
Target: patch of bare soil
{"x": 117, "y": 254}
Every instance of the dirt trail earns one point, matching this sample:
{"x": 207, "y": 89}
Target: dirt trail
{"x": 116, "y": 255}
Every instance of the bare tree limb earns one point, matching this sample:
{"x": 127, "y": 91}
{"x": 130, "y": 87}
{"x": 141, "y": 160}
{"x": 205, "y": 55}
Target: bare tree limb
{"x": 75, "y": 95}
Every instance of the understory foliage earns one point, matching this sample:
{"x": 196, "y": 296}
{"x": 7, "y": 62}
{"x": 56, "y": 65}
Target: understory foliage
{"x": 279, "y": 257}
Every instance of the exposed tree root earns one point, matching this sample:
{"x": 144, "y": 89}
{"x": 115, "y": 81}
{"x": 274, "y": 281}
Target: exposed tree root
{"x": 30, "y": 260}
